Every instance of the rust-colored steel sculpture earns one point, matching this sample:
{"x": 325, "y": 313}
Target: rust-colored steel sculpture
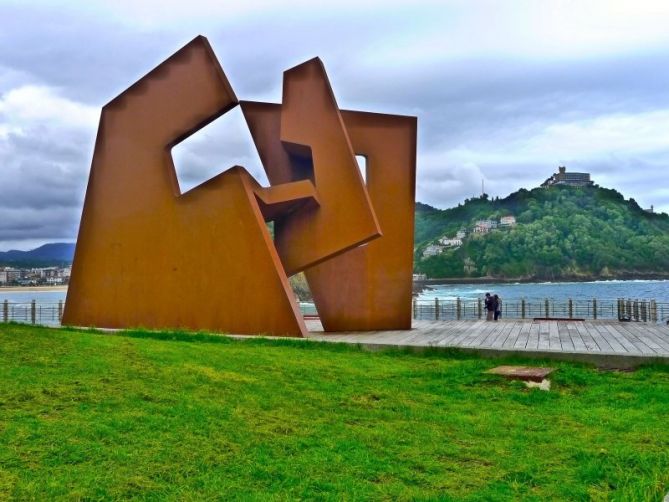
{"x": 150, "y": 256}
{"x": 370, "y": 287}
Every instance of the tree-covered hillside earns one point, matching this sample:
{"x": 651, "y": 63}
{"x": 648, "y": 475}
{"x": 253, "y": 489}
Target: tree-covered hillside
{"x": 560, "y": 232}
{"x": 53, "y": 254}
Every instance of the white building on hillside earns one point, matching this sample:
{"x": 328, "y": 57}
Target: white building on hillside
{"x": 449, "y": 243}
{"x": 507, "y": 221}
{"x": 432, "y": 250}
{"x": 484, "y": 226}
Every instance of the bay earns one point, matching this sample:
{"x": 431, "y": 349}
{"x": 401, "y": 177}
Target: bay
{"x": 558, "y": 291}
{"x": 555, "y": 291}
{"x": 14, "y": 295}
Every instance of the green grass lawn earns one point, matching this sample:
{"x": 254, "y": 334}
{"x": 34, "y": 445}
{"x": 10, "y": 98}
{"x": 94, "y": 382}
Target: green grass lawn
{"x": 85, "y": 415}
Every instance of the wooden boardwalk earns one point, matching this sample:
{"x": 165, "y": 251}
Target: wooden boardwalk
{"x": 605, "y": 343}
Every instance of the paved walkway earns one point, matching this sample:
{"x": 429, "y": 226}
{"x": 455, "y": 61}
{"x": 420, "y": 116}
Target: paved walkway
{"x": 605, "y": 343}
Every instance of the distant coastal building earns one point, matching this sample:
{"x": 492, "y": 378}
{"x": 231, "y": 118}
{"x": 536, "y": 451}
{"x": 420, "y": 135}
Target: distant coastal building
{"x": 507, "y": 221}
{"x": 462, "y": 233}
{"x": 562, "y": 177}
{"x": 484, "y": 226}
{"x": 432, "y": 250}
{"x": 450, "y": 242}
{"x": 8, "y": 275}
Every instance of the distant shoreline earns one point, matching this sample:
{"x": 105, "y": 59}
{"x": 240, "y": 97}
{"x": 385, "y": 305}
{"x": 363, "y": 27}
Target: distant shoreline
{"x": 536, "y": 280}
{"x": 31, "y": 289}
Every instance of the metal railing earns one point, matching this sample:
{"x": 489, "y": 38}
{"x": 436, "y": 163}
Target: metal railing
{"x": 619, "y": 309}
{"x": 51, "y": 314}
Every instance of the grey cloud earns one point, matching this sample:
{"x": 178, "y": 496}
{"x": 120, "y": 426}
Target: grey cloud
{"x": 478, "y": 103}
{"x": 59, "y": 223}
{"x": 44, "y": 171}
{"x": 474, "y": 98}
{"x": 90, "y": 59}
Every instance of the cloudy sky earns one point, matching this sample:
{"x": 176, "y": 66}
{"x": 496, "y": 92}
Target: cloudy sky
{"x": 504, "y": 91}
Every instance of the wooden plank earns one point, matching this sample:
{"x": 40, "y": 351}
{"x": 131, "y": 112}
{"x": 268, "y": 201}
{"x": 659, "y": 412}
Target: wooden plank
{"x": 391, "y": 337}
{"x": 553, "y": 336}
{"x": 467, "y": 331}
{"x": 659, "y": 334}
{"x": 449, "y": 336}
{"x": 640, "y": 338}
{"x": 598, "y": 338}
{"x": 533, "y": 337}
{"x": 448, "y": 330}
{"x": 616, "y": 346}
{"x": 492, "y": 335}
{"x": 565, "y": 339}
{"x": 510, "y": 342}
{"x": 447, "y": 339}
{"x": 575, "y": 337}
{"x": 476, "y": 338}
{"x": 524, "y": 335}
{"x": 428, "y": 328}
{"x": 621, "y": 338}
{"x": 588, "y": 340}
{"x": 502, "y": 335}
{"x": 544, "y": 335}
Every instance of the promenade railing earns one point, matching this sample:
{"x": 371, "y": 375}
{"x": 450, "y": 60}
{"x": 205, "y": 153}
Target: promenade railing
{"x": 49, "y": 314}
{"x": 437, "y": 309}
{"x": 625, "y": 309}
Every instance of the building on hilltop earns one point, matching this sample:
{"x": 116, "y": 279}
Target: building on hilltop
{"x": 562, "y": 177}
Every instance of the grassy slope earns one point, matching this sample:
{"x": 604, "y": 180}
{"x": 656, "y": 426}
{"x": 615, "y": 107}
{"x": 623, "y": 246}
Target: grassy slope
{"x": 87, "y": 415}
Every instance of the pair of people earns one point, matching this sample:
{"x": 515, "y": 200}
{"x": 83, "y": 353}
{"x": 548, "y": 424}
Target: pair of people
{"x": 493, "y": 307}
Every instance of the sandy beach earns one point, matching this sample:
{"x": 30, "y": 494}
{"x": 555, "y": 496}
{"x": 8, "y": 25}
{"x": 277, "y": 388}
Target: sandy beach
{"x": 30, "y": 289}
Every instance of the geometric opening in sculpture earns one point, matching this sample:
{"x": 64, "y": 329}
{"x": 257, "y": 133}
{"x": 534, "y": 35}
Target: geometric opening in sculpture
{"x": 362, "y": 164}
{"x": 228, "y": 139}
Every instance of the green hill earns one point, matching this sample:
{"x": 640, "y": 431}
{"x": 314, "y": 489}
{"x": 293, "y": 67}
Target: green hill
{"x": 560, "y": 233}
{"x": 53, "y": 254}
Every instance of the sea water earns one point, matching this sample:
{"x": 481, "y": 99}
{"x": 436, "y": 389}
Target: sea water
{"x": 555, "y": 291}
{"x": 558, "y": 291}
{"x": 41, "y": 297}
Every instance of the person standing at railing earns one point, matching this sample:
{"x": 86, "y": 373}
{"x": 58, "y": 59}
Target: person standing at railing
{"x": 497, "y": 303}
{"x": 489, "y": 307}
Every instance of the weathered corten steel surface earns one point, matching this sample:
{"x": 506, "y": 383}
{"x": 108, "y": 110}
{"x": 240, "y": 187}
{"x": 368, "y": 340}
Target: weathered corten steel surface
{"x": 150, "y": 256}
{"x": 147, "y": 255}
{"x": 303, "y": 138}
{"x": 369, "y": 288}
